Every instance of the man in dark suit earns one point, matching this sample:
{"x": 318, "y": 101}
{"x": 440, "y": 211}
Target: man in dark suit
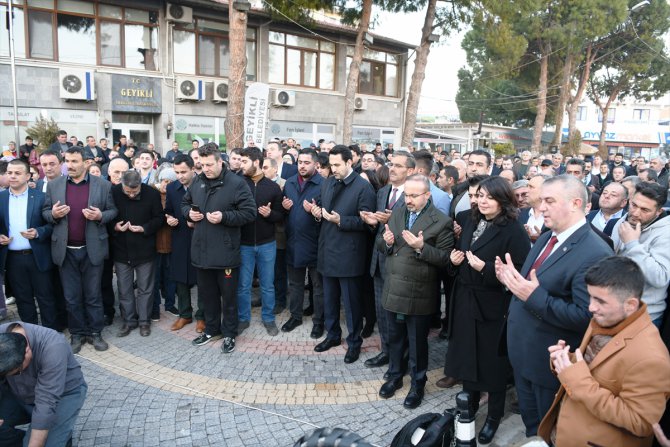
{"x": 79, "y": 207}
{"x": 576, "y": 167}
{"x": 417, "y": 240}
{"x": 550, "y": 298}
{"x": 274, "y": 152}
{"x": 24, "y": 247}
{"x": 181, "y": 269}
{"x": 343, "y": 232}
{"x": 389, "y": 197}
{"x": 61, "y": 144}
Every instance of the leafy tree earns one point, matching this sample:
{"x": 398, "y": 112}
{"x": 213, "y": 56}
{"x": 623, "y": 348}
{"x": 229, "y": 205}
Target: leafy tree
{"x": 44, "y": 132}
{"x": 634, "y": 64}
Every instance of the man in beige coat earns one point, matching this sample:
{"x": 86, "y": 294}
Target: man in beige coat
{"x": 616, "y": 384}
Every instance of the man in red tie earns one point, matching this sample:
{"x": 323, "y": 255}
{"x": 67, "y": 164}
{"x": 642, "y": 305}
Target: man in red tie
{"x": 550, "y": 297}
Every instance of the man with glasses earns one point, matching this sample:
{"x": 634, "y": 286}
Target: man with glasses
{"x": 42, "y": 385}
{"x": 520, "y": 188}
{"x": 134, "y": 249}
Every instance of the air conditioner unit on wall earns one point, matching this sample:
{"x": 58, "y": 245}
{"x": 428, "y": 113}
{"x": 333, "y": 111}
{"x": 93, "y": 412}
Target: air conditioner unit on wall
{"x": 220, "y": 91}
{"x": 283, "y": 98}
{"x": 178, "y": 14}
{"x": 76, "y": 84}
{"x": 360, "y": 103}
{"x": 190, "y": 89}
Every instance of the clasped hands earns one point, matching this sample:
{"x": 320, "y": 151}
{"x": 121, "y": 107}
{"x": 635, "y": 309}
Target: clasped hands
{"x": 457, "y": 257}
{"x": 59, "y": 211}
{"x": 559, "y": 354}
{"x": 214, "y": 217}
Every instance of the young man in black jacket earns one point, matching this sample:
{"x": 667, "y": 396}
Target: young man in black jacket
{"x": 218, "y": 203}
{"x": 258, "y": 245}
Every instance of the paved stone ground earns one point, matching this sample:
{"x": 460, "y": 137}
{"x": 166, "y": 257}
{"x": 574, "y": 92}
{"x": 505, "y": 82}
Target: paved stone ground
{"x": 162, "y": 391}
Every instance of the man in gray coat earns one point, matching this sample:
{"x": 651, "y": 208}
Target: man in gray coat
{"x": 417, "y": 241}
{"x": 79, "y": 207}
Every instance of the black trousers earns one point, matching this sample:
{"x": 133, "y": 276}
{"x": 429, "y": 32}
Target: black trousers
{"x": 534, "y": 402}
{"x": 281, "y": 278}
{"x": 219, "y": 295}
{"x": 81, "y": 287}
{"x": 408, "y": 332}
{"x": 31, "y": 285}
{"x": 107, "y": 288}
{"x": 496, "y": 402}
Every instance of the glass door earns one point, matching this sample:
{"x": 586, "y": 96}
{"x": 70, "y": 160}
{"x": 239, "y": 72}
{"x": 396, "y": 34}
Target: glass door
{"x": 140, "y": 134}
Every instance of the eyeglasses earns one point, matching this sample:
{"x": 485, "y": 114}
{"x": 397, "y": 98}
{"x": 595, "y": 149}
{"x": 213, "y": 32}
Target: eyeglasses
{"x": 416, "y": 196}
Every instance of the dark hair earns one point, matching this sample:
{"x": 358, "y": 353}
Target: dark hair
{"x": 61, "y": 132}
{"x": 209, "y": 149}
{"x": 653, "y": 191}
{"x": 576, "y": 162}
{"x": 236, "y": 150}
{"x": 131, "y": 179}
{"x": 18, "y": 161}
{"x": 195, "y": 141}
{"x": 484, "y": 153}
{"x": 142, "y": 152}
{"x": 622, "y": 168}
{"x": 618, "y": 154}
{"x": 355, "y": 148}
{"x": 76, "y": 150}
{"x": 123, "y": 136}
{"x": 12, "y": 352}
{"x": 28, "y": 137}
{"x": 501, "y": 191}
{"x": 451, "y": 172}
{"x": 253, "y": 154}
{"x": 54, "y": 153}
{"x": 311, "y": 152}
{"x": 619, "y": 274}
{"x": 373, "y": 178}
{"x": 383, "y": 174}
{"x": 476, "y": 180}
{"x": 192, "y": 150}
{"x": 341, "y": 150}
{"x": 323, "y": 160}
{"x": 652, "y": 176}
{"x": 183, "y": 158}
{"x": 3, "y": 166}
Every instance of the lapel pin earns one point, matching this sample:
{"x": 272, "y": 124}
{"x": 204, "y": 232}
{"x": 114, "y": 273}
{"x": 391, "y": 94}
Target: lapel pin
{"x": 565, "y": 249}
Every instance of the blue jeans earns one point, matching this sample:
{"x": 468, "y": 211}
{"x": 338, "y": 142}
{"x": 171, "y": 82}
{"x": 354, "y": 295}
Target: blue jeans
{"x": 262, "y": 257}
{"x": 15, "y": 413}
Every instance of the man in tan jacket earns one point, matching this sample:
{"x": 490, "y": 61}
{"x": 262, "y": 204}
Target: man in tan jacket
{"x": 615, "y": 385}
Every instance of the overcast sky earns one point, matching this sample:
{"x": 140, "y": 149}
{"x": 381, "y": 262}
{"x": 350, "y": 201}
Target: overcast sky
{"x": 446, "y": 58}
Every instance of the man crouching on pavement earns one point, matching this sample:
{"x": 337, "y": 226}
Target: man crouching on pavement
{"x": 615, "y": 386}
{"x": 41, "y": 383}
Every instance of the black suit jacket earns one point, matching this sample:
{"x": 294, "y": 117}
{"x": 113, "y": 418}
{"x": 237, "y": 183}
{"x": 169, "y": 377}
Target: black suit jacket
{"x": 340, "y": 245}
{"x": 557, "y": 309}
{"x": 379, "y": 258}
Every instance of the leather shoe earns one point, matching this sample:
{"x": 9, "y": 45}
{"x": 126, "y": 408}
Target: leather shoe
{"x": 447, "y": 382}
{"x": 414, "y": 398}
{"x": 327, "y": 344}
{"x": 200, "y": 326}
{"x": 291, "y": 324}
{"x": 488, "y": 431}
{"x": 180, "y": 323}
{"x": 352, "y": 355}
{"x": 317, "y": 331}
{"x": 380, "y": 359}
{"x": 389, "y": 388}
{"x": 125, "y": 330}
{"x": 145, "y": 330}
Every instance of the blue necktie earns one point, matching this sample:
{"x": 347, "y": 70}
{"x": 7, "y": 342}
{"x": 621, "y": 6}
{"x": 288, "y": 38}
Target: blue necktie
{"x": 412, "y": 219}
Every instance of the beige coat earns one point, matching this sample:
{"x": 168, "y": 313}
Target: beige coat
{"x": 614, "y": 400}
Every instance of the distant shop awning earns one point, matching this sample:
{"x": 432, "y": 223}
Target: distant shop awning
{"x": 431, "y": 136}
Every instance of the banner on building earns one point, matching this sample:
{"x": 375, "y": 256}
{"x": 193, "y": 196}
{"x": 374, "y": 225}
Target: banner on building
{"x": 256, "y": 113}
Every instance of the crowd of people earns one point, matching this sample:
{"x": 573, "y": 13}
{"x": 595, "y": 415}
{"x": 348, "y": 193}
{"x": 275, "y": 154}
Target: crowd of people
{"x": 546, "y": 273}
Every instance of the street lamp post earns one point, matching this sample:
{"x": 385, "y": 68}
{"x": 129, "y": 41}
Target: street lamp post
{"x": 12, "y": 58}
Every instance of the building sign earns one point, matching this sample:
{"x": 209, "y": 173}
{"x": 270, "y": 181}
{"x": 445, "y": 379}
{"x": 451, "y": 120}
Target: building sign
{"x": 204, "y": 129}
{"x": 302, "y": 132}
{"x": 136, "y": 94}
{"x": 256, "y": 113}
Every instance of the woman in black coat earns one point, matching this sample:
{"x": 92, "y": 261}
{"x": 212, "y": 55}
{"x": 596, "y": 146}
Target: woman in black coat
{"x": 481, "y": 301}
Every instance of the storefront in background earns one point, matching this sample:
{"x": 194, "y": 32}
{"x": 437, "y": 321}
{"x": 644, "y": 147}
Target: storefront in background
{"x": 79, "y": 123}
{"x": 303, "y": 133}
{"x": 373, "y": 135}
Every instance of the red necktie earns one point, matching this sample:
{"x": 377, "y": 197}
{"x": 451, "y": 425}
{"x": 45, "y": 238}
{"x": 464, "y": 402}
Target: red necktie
{"x": 545, "y": 254}
{"x": 393, "y": 198}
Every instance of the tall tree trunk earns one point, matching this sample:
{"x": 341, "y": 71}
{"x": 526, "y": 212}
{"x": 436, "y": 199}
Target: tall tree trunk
{"x": 237, "y": 78}
{"x": 604, "y": 109}
{"x": 419, "y": 75}
{"x": 563, "y": 98}
{"x": 354, "y": 71}
{"x": 541, "y": 99}
{"x": 573, "y": 106}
